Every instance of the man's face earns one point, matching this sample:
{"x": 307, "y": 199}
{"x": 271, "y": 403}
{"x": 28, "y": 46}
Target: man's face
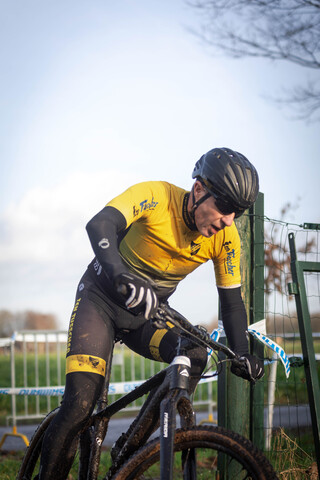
{"x": 209, "y": 220}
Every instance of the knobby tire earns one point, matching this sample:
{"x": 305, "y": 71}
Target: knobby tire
{"x": 243, "y": 459}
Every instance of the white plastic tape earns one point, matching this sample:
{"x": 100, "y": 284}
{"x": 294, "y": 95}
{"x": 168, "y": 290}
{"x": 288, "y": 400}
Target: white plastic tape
{"x": 258, "y": 330}
{"x": 273, "y": 346}
{"x": 114, "y": 389}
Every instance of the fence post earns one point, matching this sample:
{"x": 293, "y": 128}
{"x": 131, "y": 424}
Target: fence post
{"x": 14, "y": 432}
{"x": 240, "y": 407}
{"x": 257, "y": 313}
{"x": 13, "y": 382}
{"x": 234, "y": 392}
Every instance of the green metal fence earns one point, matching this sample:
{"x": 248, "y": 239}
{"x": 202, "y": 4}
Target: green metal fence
{"x": 279, "y": 414}
{"x": 298, "y": 289}
{"x": 289, "y": 426}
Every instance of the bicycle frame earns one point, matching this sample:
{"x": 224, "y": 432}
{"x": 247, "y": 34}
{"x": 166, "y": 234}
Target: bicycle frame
{"x": 90, "y": 458}
{"x": 168, "y": 394}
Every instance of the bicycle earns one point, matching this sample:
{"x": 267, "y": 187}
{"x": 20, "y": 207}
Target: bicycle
{"x": 190, "y": 452}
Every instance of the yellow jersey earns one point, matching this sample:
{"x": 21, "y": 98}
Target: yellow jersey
{"x": 160, "y": 246}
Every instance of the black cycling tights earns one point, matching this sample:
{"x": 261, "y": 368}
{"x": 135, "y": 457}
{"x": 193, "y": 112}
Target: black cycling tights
{"x": 92, "y": 333}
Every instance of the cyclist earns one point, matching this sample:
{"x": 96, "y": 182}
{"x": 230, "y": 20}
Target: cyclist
{"x": 148, "y": 239}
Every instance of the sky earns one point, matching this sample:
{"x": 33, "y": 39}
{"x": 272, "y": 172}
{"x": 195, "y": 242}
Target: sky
{"x": 98, "y": 95}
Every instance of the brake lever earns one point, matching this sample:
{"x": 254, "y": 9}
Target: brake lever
{"x": 160, "y": 319}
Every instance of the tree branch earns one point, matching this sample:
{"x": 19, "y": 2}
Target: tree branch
{"x": 287, "y": 30}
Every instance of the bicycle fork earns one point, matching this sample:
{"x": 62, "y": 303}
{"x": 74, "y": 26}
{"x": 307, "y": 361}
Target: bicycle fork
{"x": 177, "y": 400}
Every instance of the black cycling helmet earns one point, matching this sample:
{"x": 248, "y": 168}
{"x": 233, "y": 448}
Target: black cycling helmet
{"x": 230, "y": 178}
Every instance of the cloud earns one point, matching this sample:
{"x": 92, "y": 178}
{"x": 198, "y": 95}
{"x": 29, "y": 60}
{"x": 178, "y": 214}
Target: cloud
{"x": 44, "y": 248}
{"x": 48, "y": 224}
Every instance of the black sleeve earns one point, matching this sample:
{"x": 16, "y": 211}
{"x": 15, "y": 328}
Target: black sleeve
{"x": 234, "y": 319}
{"x": 104, "y": 230}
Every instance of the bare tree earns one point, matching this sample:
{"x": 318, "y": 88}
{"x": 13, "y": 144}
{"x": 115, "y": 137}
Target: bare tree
{"x": 275, "y": 29}
{"x": 277, "y": 257}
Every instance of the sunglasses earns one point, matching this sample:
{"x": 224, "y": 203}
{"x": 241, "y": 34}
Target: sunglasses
{"x": 224, "y": 207}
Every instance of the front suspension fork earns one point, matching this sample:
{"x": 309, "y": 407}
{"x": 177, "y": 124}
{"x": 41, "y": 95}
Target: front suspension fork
{"x": 177, "y": 400}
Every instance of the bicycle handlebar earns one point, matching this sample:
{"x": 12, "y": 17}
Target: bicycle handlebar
{"x": 168, "y": 314}
{"x": 201, "y": 335}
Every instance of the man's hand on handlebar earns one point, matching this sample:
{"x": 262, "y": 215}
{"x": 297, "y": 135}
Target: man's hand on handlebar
{"x": 249, "y": 367}
{"x": 138, "y": 293}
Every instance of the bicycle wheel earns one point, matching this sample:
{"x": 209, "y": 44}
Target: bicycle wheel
{"x": 241, "y": 459}
{"x": 29, "y": 466}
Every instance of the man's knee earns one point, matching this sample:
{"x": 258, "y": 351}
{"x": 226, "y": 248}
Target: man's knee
{"x": 81, "y": 395}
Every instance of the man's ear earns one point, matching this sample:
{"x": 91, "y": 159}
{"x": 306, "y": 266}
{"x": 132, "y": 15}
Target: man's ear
{"x": 199, "y": 189}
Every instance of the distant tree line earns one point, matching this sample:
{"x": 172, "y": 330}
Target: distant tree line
{"x": 26, "y": 320}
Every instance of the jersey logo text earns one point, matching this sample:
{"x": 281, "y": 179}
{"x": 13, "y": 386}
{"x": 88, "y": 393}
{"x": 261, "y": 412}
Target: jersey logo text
{"x": 97, "y": 267}
{"x": 148, "y": 206}
{"x": 145, "y": 205}
{"x": 228, "y": 262}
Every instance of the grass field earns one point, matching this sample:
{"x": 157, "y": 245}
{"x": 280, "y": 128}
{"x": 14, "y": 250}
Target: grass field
{"x": 10, "y": 464}
{"x": 290, "y": 461}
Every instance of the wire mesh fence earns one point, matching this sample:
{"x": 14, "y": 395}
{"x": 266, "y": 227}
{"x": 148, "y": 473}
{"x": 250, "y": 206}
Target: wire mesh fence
{"x": 287, "y": 414}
